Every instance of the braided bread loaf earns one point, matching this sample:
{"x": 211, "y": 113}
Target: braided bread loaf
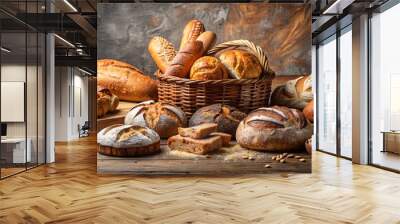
{"x": 274, "y": 129}
{"x": 163, "y": 118}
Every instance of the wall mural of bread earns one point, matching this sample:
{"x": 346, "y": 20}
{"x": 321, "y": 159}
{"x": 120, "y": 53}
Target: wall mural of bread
{"x": 213, "y": 88}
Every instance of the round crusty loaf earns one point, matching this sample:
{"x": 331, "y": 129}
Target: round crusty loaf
{"x": 208, "y": 68}
{"x": 162, "y": 52}
{"x": 241, "y": 64}
{"x": 163, "y": 118}
{"x": 226, "y": 117}
{"x": 274, "y": 129}
{"x": 309, "y": 111}
{"x": 191, "y": 32}
{"x": 295, "y": 93}
{"x": 128, "y": 140}
{"x": 125, "y": 81}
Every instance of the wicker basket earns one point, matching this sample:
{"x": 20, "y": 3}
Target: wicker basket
{"x": 244, "y": 94}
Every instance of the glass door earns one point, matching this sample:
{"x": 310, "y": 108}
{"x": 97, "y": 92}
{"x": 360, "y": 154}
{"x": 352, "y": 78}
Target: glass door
{"x": 385, "y": 89}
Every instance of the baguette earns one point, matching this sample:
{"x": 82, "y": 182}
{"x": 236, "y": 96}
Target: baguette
{"x": 208, "y": 39}
{"x": 162, "y": 52}
{"x": 191, "y": 32}
{"x": 183, "y": 61}
{"x": 125, "y": 81}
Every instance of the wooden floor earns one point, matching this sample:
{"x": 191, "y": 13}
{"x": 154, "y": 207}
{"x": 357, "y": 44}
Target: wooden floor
{"x": 70, "y": 191}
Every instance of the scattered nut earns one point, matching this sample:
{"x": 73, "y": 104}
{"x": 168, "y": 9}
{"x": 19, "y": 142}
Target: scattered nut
{"x": 245, "y": 156}
{"x": 208, "y": 156}
{"x": 267, "y": 166}
{"x": 297, "y": 157}
{"x": 282, "y": 160}
{"x": 284, "y": 154}
{"x": 302, "y": 160}
{"x": 290, "y": 156}
{"x": 251, "y": 158}
{"x": 273, "y": 157}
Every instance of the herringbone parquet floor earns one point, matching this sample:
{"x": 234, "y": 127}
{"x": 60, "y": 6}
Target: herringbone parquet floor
{"x": 70, "y": 191}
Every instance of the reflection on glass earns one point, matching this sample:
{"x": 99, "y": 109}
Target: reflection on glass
{"x": 385, "y": 84}
{"x": 346, "y": 94}
{"x": 14, "y": 146}
{"x": 327, "y": 96}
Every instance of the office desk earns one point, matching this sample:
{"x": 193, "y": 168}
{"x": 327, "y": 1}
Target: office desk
{"x": 13, "y": 150}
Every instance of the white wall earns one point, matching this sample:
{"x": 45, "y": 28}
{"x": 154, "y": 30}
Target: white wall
{"x": 71, "y": 102}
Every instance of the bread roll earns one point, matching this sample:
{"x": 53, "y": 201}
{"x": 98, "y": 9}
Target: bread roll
{"x": 125, "y": 81}
{"x": 191, "y": 32}
{"x": 295, "y": 93}
{"x": 184, "y": 59}
{"x": 165, "y": 119}
{"x": 226, "y": 117}
{"x": 162, "y": 52}
{"x": 128, "y": 140}
{"x": 208, "y": 39}
{"x": 106, "y": 102}
{"x": 208, "y": 68}
{"x": 274, "y": 129}
{"x": 241, "y": 64}
{"x": 309, "y": 111}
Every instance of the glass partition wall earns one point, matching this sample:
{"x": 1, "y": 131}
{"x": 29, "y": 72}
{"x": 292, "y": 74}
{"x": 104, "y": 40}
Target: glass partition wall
{"x": 334, "y": 94}
{"x": 22, "y": 87}
{"x": 385, "y": 89}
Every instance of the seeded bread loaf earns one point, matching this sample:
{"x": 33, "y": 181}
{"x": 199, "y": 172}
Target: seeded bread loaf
{"x": 191, "y": 32}
{"x": 162, "y": 52}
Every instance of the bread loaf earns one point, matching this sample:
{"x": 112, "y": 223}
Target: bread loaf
{"x": 208, "y": 39}
{"x": 106, "y": 102}
{"x": 165, "y": 119}
{"x": 197, "y": 146}
{"x": 226, "y": 138}
{"x": 128, "y": 140}
{"x": 184, "y": 59}
{"x": 208, "y": 68}
{"x": 191, "y": 32}
{"x": 199, "y": 131}
{"x": 274, "y": 129}
{"x": 125, "y": 81}
{"x": 309, "y": 111}
{"x": 162, "y": 52}
{"x": 241, "y": 64}
{"x": 295, "y": 93}
{"x": 226, "y": 117}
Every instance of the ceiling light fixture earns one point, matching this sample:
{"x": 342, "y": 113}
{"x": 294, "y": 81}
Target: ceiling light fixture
{"x": 70, "y": 5}
{"x": 5, "y": 49}
{"x": 337, "y": 7}
{"x": 65, "y": 41}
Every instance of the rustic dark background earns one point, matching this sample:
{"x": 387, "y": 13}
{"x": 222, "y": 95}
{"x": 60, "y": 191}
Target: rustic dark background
{"x": 282, "y": 30}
